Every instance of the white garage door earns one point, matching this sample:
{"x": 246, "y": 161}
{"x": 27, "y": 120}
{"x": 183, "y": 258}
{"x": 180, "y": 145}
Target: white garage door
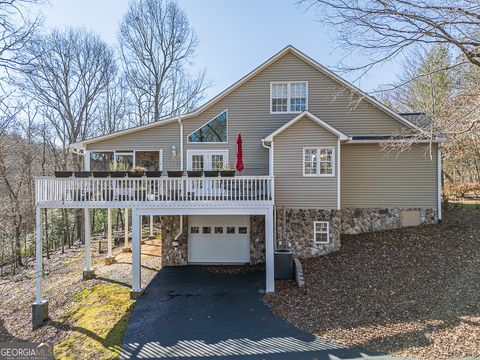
{"x": 218, "y": 239}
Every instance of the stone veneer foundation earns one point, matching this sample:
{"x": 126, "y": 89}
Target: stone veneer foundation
{"x": 298, "y": 230}
{"x": 355, "y": 221}
{"x": 174, "y": 255}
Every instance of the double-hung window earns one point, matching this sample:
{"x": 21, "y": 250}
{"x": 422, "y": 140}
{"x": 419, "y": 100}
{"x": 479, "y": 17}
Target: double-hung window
{"x": 288, "y": 97}
{"x": 319, "y": 161}
{"x": 321, "y": 232}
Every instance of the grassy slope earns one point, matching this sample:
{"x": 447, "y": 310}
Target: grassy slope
{"x": 98, "y": 317}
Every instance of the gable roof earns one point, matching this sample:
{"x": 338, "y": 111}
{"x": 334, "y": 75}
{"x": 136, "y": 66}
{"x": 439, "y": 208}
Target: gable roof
{"x": 327, "y": 126}
{"x": 236, "y": 85}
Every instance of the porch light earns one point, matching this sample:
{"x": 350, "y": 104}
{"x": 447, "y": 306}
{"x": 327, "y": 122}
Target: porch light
{"x": 174, "y": 151}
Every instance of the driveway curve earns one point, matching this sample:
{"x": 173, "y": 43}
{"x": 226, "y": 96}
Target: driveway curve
{"x": 191, "y": 313}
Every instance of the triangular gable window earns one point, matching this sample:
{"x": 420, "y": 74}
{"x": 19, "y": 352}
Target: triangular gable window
{"x": 215, "y": 131}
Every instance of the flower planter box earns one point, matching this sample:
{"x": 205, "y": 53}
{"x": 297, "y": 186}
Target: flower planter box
{"x": 152, "y": 174}
{"x": 82, "y": 174}
{"x": 101, "y": 174}
{"x": 63, "y": 174}
{"x": 135, "y": 174}
{"x": 194, "y": 173}
{"x": 175, "y": 173}
{"x": 210, "y": 173}
{"x": 227, "y": 173}
{"x": 118, "y": 174}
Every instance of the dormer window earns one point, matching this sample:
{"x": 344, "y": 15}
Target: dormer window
{"x": 288, "y": 97}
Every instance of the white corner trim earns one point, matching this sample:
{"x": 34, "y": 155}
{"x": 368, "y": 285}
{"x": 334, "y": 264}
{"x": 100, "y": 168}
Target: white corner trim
{"x": 312, "y": 117}
{"x": 339, "y": 170}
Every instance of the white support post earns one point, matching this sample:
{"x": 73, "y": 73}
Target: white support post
{"x": 38, "y": 257}
{"x": 109, "y": 259}
{"x": 88, "y": 272}
{"x": 40, "y": 306}
{"x": 109, "y": 235}
{"x": 151, "y": 225}
{"x": 136, "y": 255}
{"x": 126, "y": 227}
{"x": 269, "y": 248}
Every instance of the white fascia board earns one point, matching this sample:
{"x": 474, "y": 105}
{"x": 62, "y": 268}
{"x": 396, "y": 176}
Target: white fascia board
{"x": 322, "y": 123}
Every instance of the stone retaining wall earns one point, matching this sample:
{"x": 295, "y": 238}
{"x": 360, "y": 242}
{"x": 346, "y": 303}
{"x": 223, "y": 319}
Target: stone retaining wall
{"x": 299, "y": 230}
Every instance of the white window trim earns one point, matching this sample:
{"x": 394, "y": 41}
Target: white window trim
{"x": 288, "y": 97}
{"x": 223, "y": 152}
{"x": 203, "y": 143}
{"x": 315, "y": 232}
{"x": 318, "y": 148}
{"x": 130, "y": 152}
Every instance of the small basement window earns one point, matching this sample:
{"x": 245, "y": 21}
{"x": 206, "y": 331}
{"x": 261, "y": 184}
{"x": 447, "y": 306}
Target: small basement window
{"x": 321, "y": 232}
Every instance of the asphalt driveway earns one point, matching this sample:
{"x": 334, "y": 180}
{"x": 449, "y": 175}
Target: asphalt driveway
{"x": 191, "y": 313}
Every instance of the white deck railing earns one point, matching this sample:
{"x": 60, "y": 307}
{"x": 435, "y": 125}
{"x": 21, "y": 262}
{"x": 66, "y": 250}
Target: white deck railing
{"x": 154, "y": 192}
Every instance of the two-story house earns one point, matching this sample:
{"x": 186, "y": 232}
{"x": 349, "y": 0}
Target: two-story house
{"x": 313, "y": 169}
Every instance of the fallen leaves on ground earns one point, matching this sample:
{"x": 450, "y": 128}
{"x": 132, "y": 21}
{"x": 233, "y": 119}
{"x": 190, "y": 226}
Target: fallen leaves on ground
{"x": 411, "y": 292}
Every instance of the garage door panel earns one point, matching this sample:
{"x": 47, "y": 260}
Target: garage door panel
{"x": 218, "y": 245}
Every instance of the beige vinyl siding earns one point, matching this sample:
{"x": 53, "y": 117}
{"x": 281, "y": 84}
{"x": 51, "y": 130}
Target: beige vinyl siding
{"x": 371, "y": 179}
{"x": 161, "y": 137}
{"x": 292, "y": 189}
{"x": 249, "y": 113}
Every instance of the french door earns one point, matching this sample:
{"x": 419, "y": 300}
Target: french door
{"x": 200, "y": 160}
{"x": 206, "y": 160}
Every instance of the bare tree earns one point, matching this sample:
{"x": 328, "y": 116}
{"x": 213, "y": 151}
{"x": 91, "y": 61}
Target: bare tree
{"x": 157, "y": 46}
{"x": 384, "y": 29}
{"x": 16, "y": 29}
{"x": 69, "y": 71}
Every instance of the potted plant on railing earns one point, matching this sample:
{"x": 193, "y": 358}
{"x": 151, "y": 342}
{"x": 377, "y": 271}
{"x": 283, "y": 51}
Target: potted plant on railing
{"x": 227, "y": 171}
{"x": 118, "y": 170}
{"x": 136, "y": 172}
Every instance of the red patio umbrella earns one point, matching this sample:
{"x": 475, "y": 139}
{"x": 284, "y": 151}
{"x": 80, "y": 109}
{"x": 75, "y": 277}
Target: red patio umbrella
{"x": 239, "y": 166}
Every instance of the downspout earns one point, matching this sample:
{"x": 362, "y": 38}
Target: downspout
{"x": 175, "y": 241}
{"x": 270, "y": 156}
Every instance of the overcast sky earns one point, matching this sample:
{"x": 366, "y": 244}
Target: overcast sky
{"x": 235, "y": 36}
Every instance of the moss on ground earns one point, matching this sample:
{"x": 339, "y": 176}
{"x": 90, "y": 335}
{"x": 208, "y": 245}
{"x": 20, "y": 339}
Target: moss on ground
{"x": 97, "y": 322}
